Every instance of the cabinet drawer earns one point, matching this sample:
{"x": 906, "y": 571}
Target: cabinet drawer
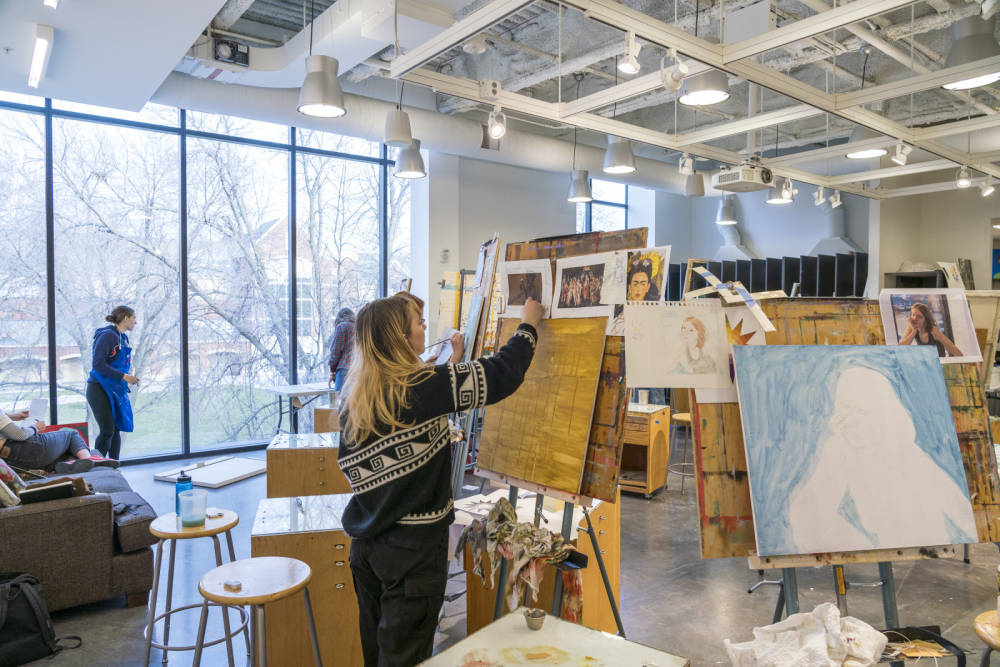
{"x": 304, "y": 472}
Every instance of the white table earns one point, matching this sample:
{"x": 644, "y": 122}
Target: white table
{"x": 509, "y": 641}
{"x": 294, "y": 393}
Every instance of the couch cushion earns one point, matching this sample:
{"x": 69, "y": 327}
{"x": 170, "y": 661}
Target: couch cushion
{"x": 105, "y": 480}
{"x": 132, "y": 516}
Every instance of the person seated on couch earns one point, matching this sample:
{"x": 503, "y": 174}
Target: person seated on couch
{"x": 64, "y": 451}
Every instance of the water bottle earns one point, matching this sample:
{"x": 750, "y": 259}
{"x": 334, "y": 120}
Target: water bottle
{"x": 183, "y": 484}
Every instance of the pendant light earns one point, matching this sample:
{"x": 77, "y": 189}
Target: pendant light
{"x": 618, "y": 157}
{"x": 861, "y": 133}
{"x": 397, "y": 121}
{"x": 694, "y": 186}
{"x": 726, "y": 215}
{"x": 972, "y": 40}
{"x": 709, "y": 87}
{"x": 409, "y": 163}
{"x": 320, "y": 95}
{"x": 579, "y": 185}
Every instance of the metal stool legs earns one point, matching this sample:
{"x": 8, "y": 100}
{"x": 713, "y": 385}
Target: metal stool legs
{"x": 686, "y": 467}
{"x": 151, "y": 613}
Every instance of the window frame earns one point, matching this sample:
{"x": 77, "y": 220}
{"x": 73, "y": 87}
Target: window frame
{"x": 589, "y": 208}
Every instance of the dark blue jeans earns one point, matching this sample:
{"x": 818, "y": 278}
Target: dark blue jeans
{"x": 338, "y": 379}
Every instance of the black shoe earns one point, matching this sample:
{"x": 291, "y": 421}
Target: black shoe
{"x": 99, "y": 460}
{"x": 74, "y": 466}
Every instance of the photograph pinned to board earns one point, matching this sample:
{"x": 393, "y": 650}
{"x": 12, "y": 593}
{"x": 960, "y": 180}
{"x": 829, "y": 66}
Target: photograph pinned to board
{"x": 676, "y": 344}
{"x": 588, "y": 285}
{"x": 938, "y": 318}
{"x": 524, "y": 279}
{"x": 647, "y": 273}
{"x": 952, "y": 275}
{"x": 850, "y": 448}
{"x": 742, "y": 328}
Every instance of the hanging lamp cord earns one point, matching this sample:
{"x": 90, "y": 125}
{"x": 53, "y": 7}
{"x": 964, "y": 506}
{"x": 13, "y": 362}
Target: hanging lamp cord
{"x": 578, "y": 82}
{"x": 312, "y": 23}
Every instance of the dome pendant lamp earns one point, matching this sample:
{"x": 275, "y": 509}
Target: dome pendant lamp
{"x": 972, "y": 40}
{"x": 579, "y": 184}
{"x": 320, "y": 95}
{"x": 709, "y": 87}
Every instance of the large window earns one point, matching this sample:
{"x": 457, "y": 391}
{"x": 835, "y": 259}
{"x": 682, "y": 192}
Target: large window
{"x": 118, "y": 234}
{"x": 608, "y": 211}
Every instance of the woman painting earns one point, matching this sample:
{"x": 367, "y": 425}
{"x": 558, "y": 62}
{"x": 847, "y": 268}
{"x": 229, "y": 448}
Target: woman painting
{"x": 109, "y": 380}
{"x": 693, "y": 357}
{"x": 641, "y": 283}
{"x": 923, "y": 331}
{"x": 394, "y": 451}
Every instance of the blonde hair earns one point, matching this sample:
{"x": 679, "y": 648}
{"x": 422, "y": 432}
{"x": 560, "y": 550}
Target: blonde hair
{"x": 383, "y": 368}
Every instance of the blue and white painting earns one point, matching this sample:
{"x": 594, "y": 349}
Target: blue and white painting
{"x": 850, "y": 448}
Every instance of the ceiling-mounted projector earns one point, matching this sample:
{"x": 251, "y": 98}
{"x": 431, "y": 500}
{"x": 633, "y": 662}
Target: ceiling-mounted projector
{"x": 747, "y": 177}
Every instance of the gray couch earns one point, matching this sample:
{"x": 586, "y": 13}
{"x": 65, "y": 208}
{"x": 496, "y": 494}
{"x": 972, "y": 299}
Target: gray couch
{"x": 106, "y": 536}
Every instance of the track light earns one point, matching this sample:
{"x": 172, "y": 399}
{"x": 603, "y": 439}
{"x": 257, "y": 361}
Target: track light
{"x": 963, "y": 180}
{"x": 860, "y": 133}
{"x": 972, "y": 40}
{"x": 775, "y": 195}
{"x": 618, "y": 157}
{"x": 686, "y": 165}
{"x": 630, "y": 63}
{"x": 986, "y": 187}
{"x": 579, "y": 187}
{"x": 818, "y": 196}
{"x": 787, "y": 191}
{"x": 497, "y": 124}
{"x": 835, "y": 199}
{"x": 726, "y": 215}
{"x": 673, "y": 77}
{"x": 40, "y": 57}
{"x": 902, "y": 152}
{"x": 409, "y": 162}
{"x": 53, "y": 4}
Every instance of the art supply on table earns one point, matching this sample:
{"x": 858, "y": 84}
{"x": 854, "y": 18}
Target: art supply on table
{"x": 192, "y": 507}
{"x": 183, "y": 484}
{"x": 535, "y": 618}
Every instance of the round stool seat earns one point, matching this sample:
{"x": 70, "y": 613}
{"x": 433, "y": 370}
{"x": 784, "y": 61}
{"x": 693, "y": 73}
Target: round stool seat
{"x": 264, "y": 579}
{"x": 988, "y": 628}
{"x": 683, "y": 417}
{"x": 168, "y": 526}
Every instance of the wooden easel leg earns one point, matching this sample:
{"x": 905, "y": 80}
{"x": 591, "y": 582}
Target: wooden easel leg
{"x": 790, "y": 587}
{"x": 567, "y": 528}
{"x": 604, "y": 574}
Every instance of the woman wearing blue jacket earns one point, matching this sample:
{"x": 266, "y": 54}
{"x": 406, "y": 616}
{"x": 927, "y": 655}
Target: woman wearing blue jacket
{"x": 107, "y": 385}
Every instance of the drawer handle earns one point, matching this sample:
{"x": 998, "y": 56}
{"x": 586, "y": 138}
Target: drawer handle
{"x": 322, "y": 458}
{"x": 603, "y": 517}
{"x": 603, "y": 552}
{"x": 321, "y": 468}
{"x": 338, "y": 546}
{"x": 339, "y": 586}
{"x": 339, "y": 563}
{"x": 322, "y": 483}
{"x": 602, "y": 532}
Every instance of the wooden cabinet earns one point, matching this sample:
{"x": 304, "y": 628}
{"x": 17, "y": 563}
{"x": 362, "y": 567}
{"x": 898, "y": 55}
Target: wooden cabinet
{"x": 597, "y": 613}
{"x": 646, "y": 449}
{"x": 309, "y": 529}
{"x": 304, "y": 464}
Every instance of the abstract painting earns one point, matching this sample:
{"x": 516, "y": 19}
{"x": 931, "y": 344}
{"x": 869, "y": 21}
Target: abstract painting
{"x": 589, "y": 285}
{"x": 850, "y": 448}
{"x": 676, "y": 345}
{"x": 937, "y": 318}
{"x": 647, "y": 273}
{"x": 526, "y": 279}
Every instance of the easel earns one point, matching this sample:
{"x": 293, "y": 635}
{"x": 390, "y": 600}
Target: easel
{"x": 569, "y": 503}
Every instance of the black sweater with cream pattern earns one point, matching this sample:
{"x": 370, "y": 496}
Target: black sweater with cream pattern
{"x": 403, "y": 478}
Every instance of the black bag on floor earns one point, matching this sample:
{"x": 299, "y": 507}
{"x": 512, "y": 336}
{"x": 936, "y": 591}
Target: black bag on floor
{"x": 26, "y": 631}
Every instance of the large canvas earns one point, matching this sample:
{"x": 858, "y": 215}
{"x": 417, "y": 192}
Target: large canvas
{"x": 850, "y": 448}
{"x": 676, "y": 345}
{"x": 540, "y": 432}
{"x": 936, "y": 318}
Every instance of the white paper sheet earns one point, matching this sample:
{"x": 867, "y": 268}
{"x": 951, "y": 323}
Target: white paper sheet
{"x": 589, "y": 285}
{"x": 950, "y": 330}
{"x": 526, "y": 278}
{"x": 39, "y": 409}
{"x": 741, "y": 329}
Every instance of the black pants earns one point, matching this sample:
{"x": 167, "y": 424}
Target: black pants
{"x": 109, "y": 439}
{"x": 400, "y": 582}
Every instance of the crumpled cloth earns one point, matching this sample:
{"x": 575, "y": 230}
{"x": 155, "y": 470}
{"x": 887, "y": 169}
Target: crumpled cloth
{"x": 820, "y": 638}
{"x": 528, "y": 549}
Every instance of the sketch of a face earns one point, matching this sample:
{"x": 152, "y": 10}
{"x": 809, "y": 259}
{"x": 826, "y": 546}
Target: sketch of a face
{"x": 690, "y": 334}
{"x": 867, "y": 412}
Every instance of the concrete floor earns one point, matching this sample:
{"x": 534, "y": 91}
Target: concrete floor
{"x": 671, "y": 599}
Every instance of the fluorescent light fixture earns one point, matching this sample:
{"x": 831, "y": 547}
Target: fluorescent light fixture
{"x": 630, "y": 63}
{"x": 986, "y": 188}
{"x": 497, "y": 124}
{"x": 320, "y": 95}
{"x": 54, "y": 4}
{"x": 819, "y": 197}
{"x": 835, "y": 199}
{"x": 963, "y": 180}
{"x": 694, "y": 186}
{"x": 397, "y": 128}
{"x": 860, "y": 133}
{"x": 686, "y": 165}
{"x": 409, "y": 162}
{"x": 726, "y": 215}
{"x": 618, "y": 157}
{"x": 579, "y": 187}
{"x": 972, "y": 40}
{"x": 902, "y": 153}
{"x": 40, "y": 58}
{"x": 775, "y": 194}
{"x": 673, "y": 77}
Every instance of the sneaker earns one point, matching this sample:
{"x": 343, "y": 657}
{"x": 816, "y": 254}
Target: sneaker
{"x": 73, "y": 466}
{"x": 101, "y": 461}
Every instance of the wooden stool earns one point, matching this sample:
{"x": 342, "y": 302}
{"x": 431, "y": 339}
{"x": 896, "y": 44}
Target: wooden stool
{"x": 686, "y": 467}
{"x": 988, "y": 630}
{"x": 261, "y": 580}
{"x": 168, "y": 528}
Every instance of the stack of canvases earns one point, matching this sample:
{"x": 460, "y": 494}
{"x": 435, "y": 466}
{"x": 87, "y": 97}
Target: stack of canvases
{"x": 849, "y": 447}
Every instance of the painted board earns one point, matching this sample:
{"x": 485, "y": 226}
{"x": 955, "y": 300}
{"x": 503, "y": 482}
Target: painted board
{"x": 540, "y": 432}
{"x": 850, "y": 448}
{"x": 574, "y": 245}
{"x": 676, "y": 344}
{"x": 935, "y": 318}
{"x": 725, "y": 518}
{"x": 530, "y": 278}
{"x": 216, "y": 473}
